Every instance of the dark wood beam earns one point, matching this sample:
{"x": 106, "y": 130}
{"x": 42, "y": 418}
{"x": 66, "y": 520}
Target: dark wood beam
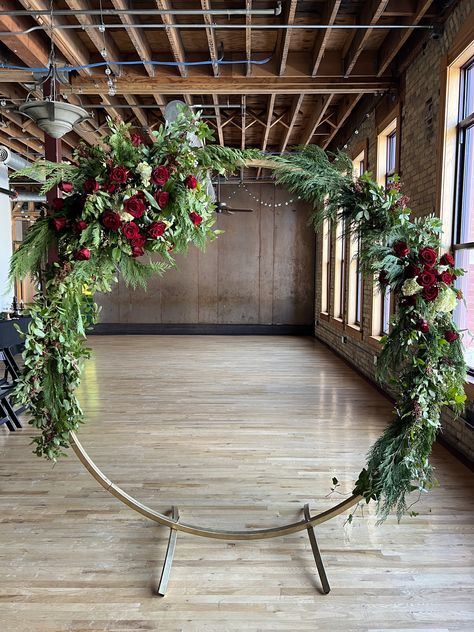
{"x": 370, "y": 14}
{"x": 136, "y": 84}
{"x": 294, "y": 113}
{"x": 322, "y": 37}
{"x": 318, "y": 112}
{"x": 394, "y": 41}
{"x": 284, "y": 37}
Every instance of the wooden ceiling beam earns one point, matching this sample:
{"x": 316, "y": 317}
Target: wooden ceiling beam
{"x": 318, "y": 112}
{"x": 211, "y": 37}
{"x": 220, "y": 129}
{"x": 108, "y": 50}
{"x": 394, "y": 41}
{"x": 294, "y": 113}
{"x": 322, "y": 36}
{"x": 344, "y": 110}
{"x": 268, "y": 125}
{"x": 31, "y": 48}
{"x": 370, "y": 14}
{"x": 174, "y": 38}
{"x": 136, "y": 84}
{"x": 284, "y": 37}
{"x": 248, "y": 37}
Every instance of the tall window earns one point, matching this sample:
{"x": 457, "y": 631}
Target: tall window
{"x": 325, "y": 266}
{"x": 355, "y": 274}
{"x": 391, "y": 157}
{"x": 386, "y": 168}
{"x": 340, "y": 264}
{"x": 464, "y": 206}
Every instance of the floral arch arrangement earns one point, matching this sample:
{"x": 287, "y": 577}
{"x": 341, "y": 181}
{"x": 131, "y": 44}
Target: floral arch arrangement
{"x": 126, "y": 199}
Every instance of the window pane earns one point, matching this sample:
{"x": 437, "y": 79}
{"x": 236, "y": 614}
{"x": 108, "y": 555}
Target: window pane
{"x": 468, "y": 101}
{"x": 466, "y": 184}
{"x": 464, "y": 313}
{"x": 391, "y": 152}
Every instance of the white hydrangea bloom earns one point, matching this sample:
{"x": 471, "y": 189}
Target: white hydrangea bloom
{"x": 410, "y": 287}
{"x": 144, "y": 170}
{"x": 446, "y": 301}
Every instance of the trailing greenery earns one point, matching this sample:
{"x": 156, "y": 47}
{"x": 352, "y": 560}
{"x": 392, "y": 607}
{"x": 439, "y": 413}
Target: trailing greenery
{"x": 126, "y": 200}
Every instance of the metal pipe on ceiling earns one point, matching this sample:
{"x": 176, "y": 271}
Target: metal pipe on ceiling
{"x": 158, "y": 12}
{"x": 213, "y": 26}
{"x": 121, "y": 106}
{"x": 14, "y": 161}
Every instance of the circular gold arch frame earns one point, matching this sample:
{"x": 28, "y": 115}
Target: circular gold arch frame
{"x": 205, "y": 532}
{"x": 208, "y": 532}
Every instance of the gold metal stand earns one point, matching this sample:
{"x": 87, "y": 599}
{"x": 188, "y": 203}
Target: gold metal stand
{"x": 175, "y": 525}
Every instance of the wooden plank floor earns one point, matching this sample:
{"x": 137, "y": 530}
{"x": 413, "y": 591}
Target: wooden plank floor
{"x": 238, "y": 432}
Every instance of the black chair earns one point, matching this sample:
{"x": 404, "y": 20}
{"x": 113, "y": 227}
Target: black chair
{"x": 8, "y": 415}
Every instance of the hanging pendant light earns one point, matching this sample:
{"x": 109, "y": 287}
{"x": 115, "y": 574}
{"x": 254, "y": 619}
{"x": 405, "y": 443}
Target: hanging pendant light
{"x": 54, "y": 117}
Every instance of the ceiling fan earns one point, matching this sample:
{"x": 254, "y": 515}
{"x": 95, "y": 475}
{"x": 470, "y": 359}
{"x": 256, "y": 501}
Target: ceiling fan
{"x": 222, "y": 208}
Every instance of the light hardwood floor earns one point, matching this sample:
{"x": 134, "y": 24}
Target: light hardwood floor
{"x": 238, "y": 432}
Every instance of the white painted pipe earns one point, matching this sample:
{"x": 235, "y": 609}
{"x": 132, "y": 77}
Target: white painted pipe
{"x": 14, "y": 161}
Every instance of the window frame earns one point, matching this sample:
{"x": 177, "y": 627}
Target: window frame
{"x": 465, "y": 123}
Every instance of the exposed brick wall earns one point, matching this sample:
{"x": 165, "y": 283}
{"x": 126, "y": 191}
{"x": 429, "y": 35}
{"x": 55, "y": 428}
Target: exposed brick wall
{"x": 419, "y": 105}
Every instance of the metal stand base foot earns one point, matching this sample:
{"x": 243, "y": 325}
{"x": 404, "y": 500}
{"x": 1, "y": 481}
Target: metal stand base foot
{"x": 316, "y": 553}
{"x": 165, "y": 573}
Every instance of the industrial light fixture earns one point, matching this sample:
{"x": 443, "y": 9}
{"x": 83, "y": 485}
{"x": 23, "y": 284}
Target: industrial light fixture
{"x": 54, "y": 117}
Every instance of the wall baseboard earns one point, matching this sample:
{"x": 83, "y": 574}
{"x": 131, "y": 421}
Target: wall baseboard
{"x": 114, "y": 329}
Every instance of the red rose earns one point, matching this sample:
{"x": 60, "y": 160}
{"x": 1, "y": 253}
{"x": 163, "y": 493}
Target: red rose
{"x": 83, "y": 254}
{"x": 110, "y": 187}
{"x": 423, "y": 326}
{"x": 156, "y": 229}
{"x": 138, "y": 242}
{"x": 430, "y": 293}
{"x": 427, "y": 278}
{"x": 409, "y": 301}
{"x": 135, "y": 206}
{"x": 66, "y": 187}
{"x": 80, "y": 225}
{"x": 191, "y": 182}
{"x": 447, "y": 277}
{"x": 59, "y": 223}
{"x": 195, "y": 218}
{"x": 411, "y": 271}
{"x": 450, "y": 335}
{"x": 160, "y": 175}
{"x": 91, "y": 185}
{"x": 383, "y": 277}
{"x": 401, "y": 249}
{"x": 428, "y": 256}
{"x": 57, "y": 204}
{"x": 137, "y": 251}
{"x": 162, "y": 198}
{"x": 111, "y": 220}
{"x": 140, "y": 194}
{"x": 119, "y": 175}
{"x": 136, "y": 139}
{"x": 447, "y": 260}
{"x": 130, "y": 230}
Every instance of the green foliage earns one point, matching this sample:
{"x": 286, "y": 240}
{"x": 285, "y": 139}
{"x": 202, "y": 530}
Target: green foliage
{"x": 28, "y": 258}
{"x": 423, "y": 363}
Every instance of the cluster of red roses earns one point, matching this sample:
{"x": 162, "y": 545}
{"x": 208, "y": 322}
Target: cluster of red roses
{"x": 136, "y": 233}
{"x": 428, "y": 277}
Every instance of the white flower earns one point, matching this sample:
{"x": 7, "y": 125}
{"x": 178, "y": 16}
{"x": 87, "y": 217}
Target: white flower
{"x": 446, "y": 301}
{"x": 144, "y": 170}
{"x": 410, "y": 287}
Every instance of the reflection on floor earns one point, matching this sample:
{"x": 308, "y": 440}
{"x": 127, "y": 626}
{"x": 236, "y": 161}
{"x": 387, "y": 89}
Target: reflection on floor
{"x": 239, "y": 432}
